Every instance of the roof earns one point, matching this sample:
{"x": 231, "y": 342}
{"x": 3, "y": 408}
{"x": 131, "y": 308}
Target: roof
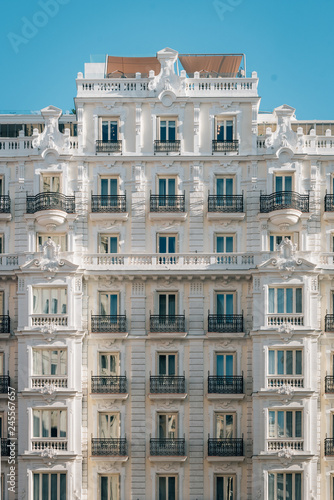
{"x": 129, "y": 66}
{"x": 225, "y": 65}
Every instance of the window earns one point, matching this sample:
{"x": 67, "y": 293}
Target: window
{"x": 224, "y": 303}
{"x": 2, "y": 244}
{"x": 167, "y": 129}
{"x": 285, "y": 300}
{"x": 283, "y": 183}
{"x": 49, "y": 300}
{"x": 167, "y": 243}
{"x": 109, "y": 425}
{"x": 2, "y": 186}
{"x": 1, "y": 425}
{"x": 49, "y": 362}
{"x": 276, "y": 239}
{"x": 49, "y": 486}
{"x": 108, "y": 364}
{"x": 167, "y": 424}
{"x": 167, "y": 186}
{"x": 225, "y": 488}
{"x": 224, "y": 186}
{"x": 109, "y": 487}
{"x": 108, "y": 304}
{"x": 167, "y": 304}
{"x": 167, "y": 487}
{"x": 51, "y": 184}
{"x": 285, "y": 424}
{"x": 109, "y": 129}
{"x": 224, "y": 129}
{"x": 225, "y": 426}
{"x": 2, "y": 364}
{"x": 49, "y": 423}
{"x": 59, "y": 239}
{"x": 109, "y": 186}
{"x": 224, "y": 243}
{"x": 285, "y": 486}
{"x": 2, "y": 301}
{"x": 225, "y": 364}
{"x": 167, "y": 364}
{"x": 285, "y": 362}
{"x": 108, "y": 243}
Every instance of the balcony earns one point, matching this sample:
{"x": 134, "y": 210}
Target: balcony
{"x": 109, "y": 384}
{"x": 167, "y": 324}
{"x": 108, "y": 203}
{"x": 329, "y": 384}
{"x": 167, "y": 203}
{"x": 297, "y": 382}
{"x": 4, "y": 324}
{"x": 228, "y": 447}
{"x": 329, "y": 323}
{"x": 329, "y": 447}
{"x": 284, "y": 207}
{"x": 108, "y": 146}
{"x": 5, "y": 450}
{"x": 229, "y": 207}
{"x": 167, "y": 447}
{"x": 225, "y": 323}
{"x": 285, "y": 444}
{"x": 40, "y": 444}
{"x": 225, "y": 384}
{"x": 225, "y": 146}
{"x": 167, "y": 384}
{"x": 4, "y": 384}
{"x": 5, "y": 208}
{"x": 329, "y": 207}
{"x": 38, "y": 382}
{"x": 109, "y": 447}
{"x": 106, "y": 324}
{"x": 167, "y": 147}
{"x": 281, "y": 319}
{"x": 53, "y": 320}
{"x": 51, "y": 208}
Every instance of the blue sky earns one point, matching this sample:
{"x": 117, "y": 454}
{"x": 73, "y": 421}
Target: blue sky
{"x": 289, "y": 44}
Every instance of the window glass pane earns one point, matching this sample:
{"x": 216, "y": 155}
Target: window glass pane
{"x": 288, "y": 486}
{"x": 171, "y": 488}
{"x": 298, "y": 362}
{"x": 45, "y": 362}
{"x": 104, "y": 244}
{"x": 229, "y": 364}
{"x": 271, "y": 487}
{"x": 272, "y": 431}
{"x": 113, "y": 244}
{"x": 54, "y": 423}
{"x": 271, "y": 244}
{"x": 280, "y": 300}
{"x": 54, "y": 487}
{"x": 271, "y": 362}
{"x": 45, "y": 486}
{"x": 54, "y": 363}
{"x": 298, "y": 424}
{"x": 299, "y": 306}
{"x": 171, "y": 244}
{"x": 104, "y": 187}
{"x": 229, "y": 244}
{"x": 288, "y": 430}
{"x": 36, "y": 423}
{"x": 104, "y": 488}
{"x": 289, "y": 300}
{"x": 163, "y": 130}
{"x": 220, "y": 303}
{"x": 162, "y": 426}
{"x": 171, "y": 364}
{"x": 62, "y": 423}
{"x": 280, "y": 362}
{"x": 162, "y": 305}
{"x": 171, "y": 133}
{"x": 288, "y": 183}
{"x": 289, "y": 362}
{"x": 298, "y": 486}
{"x": 229, "y": 187}
{"x": 162, "y": 488}
{"x": 220, "y": 131}
{"x": 113, "y": 187}
{"x": 229, "y": 426}
{"x": 229, "y": 304}
{"x": 220, "y": 365}
{"x": 271, "y": 300}
{"x": 113, "y": 305}
{"x": 278, "y": 184}
{"x": 220, "y": 244}
{"x": 171, "y": 187}
{"x": 36, "y": 487}
{"x": 113, "y": 131}
{"x": 162, "y": 364}
{"x": 171, "y": 305}
{"x": 229, "y": 130}
{"x": 162, "y": 244}
{"x": 280, "y": 423}
{"x": 280, "y": 487}
{"x": 104, "y": 131}
{"x": 220, "y": 187}
{"x": 162, "y": 187}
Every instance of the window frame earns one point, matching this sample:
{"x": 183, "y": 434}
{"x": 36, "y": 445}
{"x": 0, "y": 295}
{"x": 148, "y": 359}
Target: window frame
{"x": 176, "y": 477}
{"x": 294, "y": 351}
{"x": 109, "y": 293}
{"x": 118, "y": 486}
{"x": 285, "y": 299}
{"x": 167, "y": 119}
{"x": 167, "y": 414}
{"x": 108, "y": 177}
{"x": 225, "y": 293}
{"x": 52, "y": 177}
{"x": 49, "y": 473}
{"x": 117, "y": 363}
{"x": 50, "y": 411}
{"x": 225, "y": 235}
{"x": 234, "y": 477}
{"x": 50, "y": 290}
{"x": 41, "y": 350}
{"x": 224, "y": 119}
{"x": 284, "y": 473}
{"x": 225, "y": 414}
{"x": 117, "y": 426}
{"x": 167, "y": 354}
{"x": 167, "y": 236}
{"x": 109, "y": 119}
{"x": 285, "y": 411}
{"x": 234, "y": 357}
{"x": 168, "y": 294}
{"x": 108, "y": 235}
{"x": 284, "y": 175}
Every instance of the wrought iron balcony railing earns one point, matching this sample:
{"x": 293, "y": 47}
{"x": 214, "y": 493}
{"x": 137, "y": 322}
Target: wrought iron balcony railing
{"x": 329, "y": 446}
{"x": 108, "y": 146}
{"x": 329, "y": 323}
{"x": 167, "y": 384}
{"x": 4, "y": 324}
{"x": 225, "y": 323}
{"x": 329, "y": 203}
{"x": 108, "y": 203}
{"x": 109, "y": 446}
{"x": 167, "y": 146}
{"x": 50, "y": 201}
{"x": 4, "y": 204}
{"x": 109, "y": 384}
{"x": 284, "y": 199}
{"x": 225, "y": 146}
{"x": 225, "y": 385}
{"x": 104, "y": 323}
{"x": 5, "y": 447}
{"x": 226, "y": 203}
{"x": 4, "y": 383}
{"x": 227, "y": 447}
{"x": 329, "y": 384}
{"x": 167, "y": 203}
{"x": 164, "y": 323}
{"x": 167, "y": 446}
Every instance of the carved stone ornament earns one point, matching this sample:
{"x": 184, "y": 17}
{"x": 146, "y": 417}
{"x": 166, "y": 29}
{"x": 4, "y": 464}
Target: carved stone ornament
{"x": 50, "y": 261}
{"x": 286, "y": 260}
{"x": 167, "y": 84}
{"x": 48, "y": 455}
{"x": 51, "y": 138}
{"x": 285, "y": 456}
{"x": 286, "y": 389}
{"x": 284, "y": 137}
{"x": 48, "y": 392}
{"x": 286, "y": 331}
{"x": 48, "y": 332}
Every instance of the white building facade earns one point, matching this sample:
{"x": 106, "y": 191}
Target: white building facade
{"x": 167, "y": 256}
